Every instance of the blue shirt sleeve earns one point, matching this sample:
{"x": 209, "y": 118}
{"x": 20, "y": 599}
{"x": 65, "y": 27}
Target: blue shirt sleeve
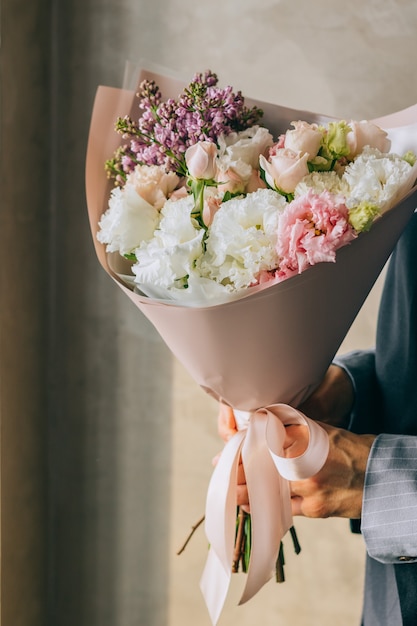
{"x": 359, "y": 365}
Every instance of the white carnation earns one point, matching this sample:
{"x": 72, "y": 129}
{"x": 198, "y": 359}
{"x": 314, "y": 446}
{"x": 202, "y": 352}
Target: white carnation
{"x": 322, "y": 181}
{"x": 242, "y": 239}
{"x": 128, "y": 221}
{"x": 376, "y": 177}
{"x": 171, "y": 254}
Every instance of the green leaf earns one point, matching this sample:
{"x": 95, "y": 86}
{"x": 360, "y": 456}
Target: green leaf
{"x": 248, "y": 542}
{"x": 229, "y": 195}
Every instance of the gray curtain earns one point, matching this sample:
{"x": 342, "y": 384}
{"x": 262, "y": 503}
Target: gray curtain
{"x": 85, "y": 439}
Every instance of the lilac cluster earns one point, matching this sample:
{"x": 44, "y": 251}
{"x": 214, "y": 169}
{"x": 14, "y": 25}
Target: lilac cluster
{"x": 165, "y": 130}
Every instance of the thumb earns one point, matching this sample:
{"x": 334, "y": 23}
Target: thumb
{"x": 226, "y": 423}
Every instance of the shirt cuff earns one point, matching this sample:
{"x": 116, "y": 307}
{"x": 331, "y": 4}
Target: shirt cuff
{"x": 389, "y": 511}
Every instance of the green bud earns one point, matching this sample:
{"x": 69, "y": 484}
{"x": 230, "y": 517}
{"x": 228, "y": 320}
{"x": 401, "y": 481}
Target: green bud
{"x": 362, "y": 216}
{"x": 335, "y": 140}
{"x": 410, "y": 157}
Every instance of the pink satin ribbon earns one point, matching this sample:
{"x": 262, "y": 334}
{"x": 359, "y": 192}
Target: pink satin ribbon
{"x": 267, "y": 474}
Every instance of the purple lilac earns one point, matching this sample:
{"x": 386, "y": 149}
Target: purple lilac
{"x": 165, "y": 130}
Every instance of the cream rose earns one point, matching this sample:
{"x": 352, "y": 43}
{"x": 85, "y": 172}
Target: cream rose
{"x": 235, "y": 178}
{"x": 304, "y": 138}
{"x": 238, "y": 160}
{"x": 247, "y": 145}
{"x": 153, "y": 184}
{"x": 285, "y": 169}
{"x": 255, "y": 182}
{"x": 366, "y": 134}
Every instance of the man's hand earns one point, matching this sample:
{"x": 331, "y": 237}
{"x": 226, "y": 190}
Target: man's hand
{"x": 337, "y": 489}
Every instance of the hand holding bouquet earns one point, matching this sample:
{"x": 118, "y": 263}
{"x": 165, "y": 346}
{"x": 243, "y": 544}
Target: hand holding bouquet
{"x": 251, "y": 249}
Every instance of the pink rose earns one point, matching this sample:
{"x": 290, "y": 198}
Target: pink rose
{"x": 201, "y": 160}
{"x": 211, "y": 206}
{"x": 304, "y": 138}
{"x": 366, "y": 134}
{"x": 285, "y": 169}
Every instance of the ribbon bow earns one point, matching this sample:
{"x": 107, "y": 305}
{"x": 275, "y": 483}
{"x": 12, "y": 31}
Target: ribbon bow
{"x": 267, "y": 474}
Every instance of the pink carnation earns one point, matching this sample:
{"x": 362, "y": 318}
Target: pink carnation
{"x": 310, "y": 231}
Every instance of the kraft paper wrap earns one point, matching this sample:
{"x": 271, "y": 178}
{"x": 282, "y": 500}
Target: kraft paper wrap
{"x": 262, "y": 354}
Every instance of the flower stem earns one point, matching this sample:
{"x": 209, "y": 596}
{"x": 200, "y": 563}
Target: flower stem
{"x": 197, "y": 187}
{"x": 239, "y": 551}
{"x": 297, "y": 547}
{"x": 279, "y": 565}
{"x": 193, "y": 529}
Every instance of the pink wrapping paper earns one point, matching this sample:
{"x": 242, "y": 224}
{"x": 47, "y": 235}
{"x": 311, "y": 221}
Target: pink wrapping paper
{"x": 280, "y": 339}
{"x": 267, "y": 349}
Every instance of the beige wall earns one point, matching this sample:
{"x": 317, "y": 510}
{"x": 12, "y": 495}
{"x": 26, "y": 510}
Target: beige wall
{"x": 106, "y": 443}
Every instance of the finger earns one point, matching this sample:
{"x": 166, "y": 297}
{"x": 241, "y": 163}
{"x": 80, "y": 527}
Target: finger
{"x": 226, "y": 423}
{"x": 241, "y": 478}
{"x": 242, "y": 497}
{"x": 296, "y": 440}
{"x": 300, "y": 488}
{"x": 296, "y": 505}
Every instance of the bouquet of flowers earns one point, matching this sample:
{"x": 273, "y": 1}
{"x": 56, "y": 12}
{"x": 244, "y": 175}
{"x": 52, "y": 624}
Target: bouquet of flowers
{"x": 207, "y": 204}
{"x": 225, "y": 223}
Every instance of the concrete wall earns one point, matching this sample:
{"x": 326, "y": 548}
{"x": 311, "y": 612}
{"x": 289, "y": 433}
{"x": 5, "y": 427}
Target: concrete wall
{"x": 106, "y": 443}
